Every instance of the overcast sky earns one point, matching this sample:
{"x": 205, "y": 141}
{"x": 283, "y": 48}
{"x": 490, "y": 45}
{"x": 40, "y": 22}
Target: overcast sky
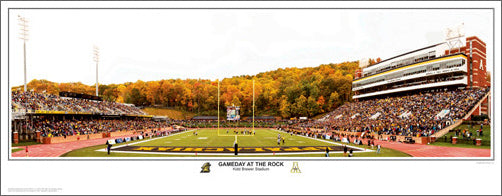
{"x": 162, "y": 44}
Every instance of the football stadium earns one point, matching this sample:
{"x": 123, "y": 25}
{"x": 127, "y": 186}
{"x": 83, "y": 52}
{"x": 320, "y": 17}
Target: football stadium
{"x": 430, "y": 102}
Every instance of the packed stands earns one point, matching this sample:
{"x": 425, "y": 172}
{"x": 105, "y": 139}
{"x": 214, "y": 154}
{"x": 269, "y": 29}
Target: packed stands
{"x": 31, "y": 101}
{"x": 418, "y": 115}
{"x": 63, "y": 128}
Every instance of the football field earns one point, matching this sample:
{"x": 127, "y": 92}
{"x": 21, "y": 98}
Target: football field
{"x": 210, "y": 137}
{"x": 210, "y": 143}
{"x": 214, "y": 142}
{"x": 222, "y": 141}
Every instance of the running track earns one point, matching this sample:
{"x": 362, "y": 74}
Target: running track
{"x": 416, "y": 150}
{"x": 420, "y": 150}
{"x": 56, "y": 150}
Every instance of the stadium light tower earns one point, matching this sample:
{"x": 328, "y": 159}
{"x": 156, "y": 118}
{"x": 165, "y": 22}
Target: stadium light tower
{"x": 454, "y": 36}
{"x": 23, "y": 23}
{"x": 96, "y": 59}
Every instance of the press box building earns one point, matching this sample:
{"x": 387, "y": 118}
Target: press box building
{"x": 426, "y": 69}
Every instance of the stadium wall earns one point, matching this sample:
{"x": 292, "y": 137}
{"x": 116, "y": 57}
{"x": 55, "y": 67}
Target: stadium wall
{"x": 73, "y": 138}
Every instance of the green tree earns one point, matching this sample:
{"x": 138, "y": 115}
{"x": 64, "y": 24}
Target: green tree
{"x": 301, "y": 106}
{"x": 312, "y": 107}
{"x": 285, "y": 107}
{"x": 334, "y": 100}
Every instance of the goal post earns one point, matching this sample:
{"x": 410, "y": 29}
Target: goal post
{"x": 236, "y": 111}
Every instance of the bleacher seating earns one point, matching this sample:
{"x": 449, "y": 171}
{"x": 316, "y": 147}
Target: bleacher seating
{"x": 418, "y": 115}
{"x": 31, "y": 101}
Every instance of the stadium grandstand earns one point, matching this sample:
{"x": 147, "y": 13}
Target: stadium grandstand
{"x": 40, "y": 115}
{"x": 426, "y": 69}
{"x": 419, "y": 95}
{"x": 40, "y": 102}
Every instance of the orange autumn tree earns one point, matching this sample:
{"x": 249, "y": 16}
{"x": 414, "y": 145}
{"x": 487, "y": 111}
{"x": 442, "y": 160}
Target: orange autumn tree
{"x": 286, "y": 92}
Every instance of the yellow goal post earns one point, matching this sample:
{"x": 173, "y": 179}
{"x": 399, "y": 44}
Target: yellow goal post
{"x": 232, "y": 135}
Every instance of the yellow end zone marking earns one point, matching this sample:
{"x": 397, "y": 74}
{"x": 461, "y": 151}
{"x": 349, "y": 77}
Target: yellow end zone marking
{"x": 145, "y": 148}
{"x": 242, "y": 149}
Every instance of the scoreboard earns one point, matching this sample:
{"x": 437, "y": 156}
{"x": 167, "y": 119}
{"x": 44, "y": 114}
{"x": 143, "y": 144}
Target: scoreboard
{"x": 233, "y": 113}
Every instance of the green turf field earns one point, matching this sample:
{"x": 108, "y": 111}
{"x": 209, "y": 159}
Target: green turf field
{"x": 25, "y": 143}
{"x": 486, "y": 138}
{"x": 209, "y": 137}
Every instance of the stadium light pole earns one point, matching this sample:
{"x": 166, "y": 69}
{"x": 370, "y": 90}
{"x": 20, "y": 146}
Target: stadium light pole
{"x": 23, "y": 23}
{"x": 96, "y": 59}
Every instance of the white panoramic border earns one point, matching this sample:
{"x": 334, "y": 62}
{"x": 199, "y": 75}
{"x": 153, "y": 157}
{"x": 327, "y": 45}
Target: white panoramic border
{"x": 149, "y": 177}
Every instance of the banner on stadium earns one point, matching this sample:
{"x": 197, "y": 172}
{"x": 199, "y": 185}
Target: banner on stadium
{"x": 442, "y": 114}
{"x": 59, "y": 112}
{"x": 49, "y": 112}
{"x": 140, "y": 137}
{"x": 375, "y": 116}
{"x": 127, "y": 139}
{"x": 146, "y": 116}
{"x": 119, "y": 140}
{"x": 111, "y": 142}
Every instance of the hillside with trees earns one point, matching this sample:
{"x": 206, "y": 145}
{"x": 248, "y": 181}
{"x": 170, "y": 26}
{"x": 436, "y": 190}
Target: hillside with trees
{"x": 285, "y": 92}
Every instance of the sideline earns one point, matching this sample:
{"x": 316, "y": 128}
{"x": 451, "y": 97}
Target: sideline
{"x": 231, "y": 154}
{"x": 327, "y": 141}
{"x": 138, "y": 142}
{"x": 245, "y": 154}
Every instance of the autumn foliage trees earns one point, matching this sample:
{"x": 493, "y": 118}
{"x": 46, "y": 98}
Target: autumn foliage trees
{"x": 286, "y": 92}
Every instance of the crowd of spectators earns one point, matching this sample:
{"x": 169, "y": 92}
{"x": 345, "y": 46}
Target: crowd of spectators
{"x": 63, "y": 128}
{"x": 410, "y": 115}
{"x": 420, "y": 114}
{"x": 32, "y": 101}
